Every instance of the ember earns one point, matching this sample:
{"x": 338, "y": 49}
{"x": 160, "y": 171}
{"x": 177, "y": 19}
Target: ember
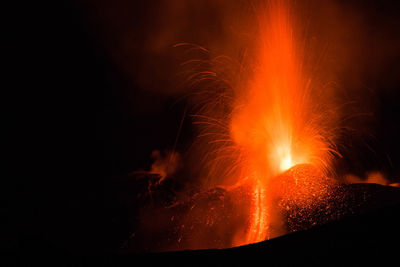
{"x": 276, "y": 123}
{"x": 265, "y": 147}
{"x": 242, "y": 130}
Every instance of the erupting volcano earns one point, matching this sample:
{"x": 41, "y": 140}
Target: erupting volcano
{"x": 234, "y": 131}
{"x": 265, "y": 146}
{"x": 276, "y": 124}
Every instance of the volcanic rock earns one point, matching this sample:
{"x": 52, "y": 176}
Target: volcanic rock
{"x": 164, "y": 220}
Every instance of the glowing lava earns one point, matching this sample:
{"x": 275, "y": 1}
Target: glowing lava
{"x": 275, "y": 123}
{"x": 259, "y": 215}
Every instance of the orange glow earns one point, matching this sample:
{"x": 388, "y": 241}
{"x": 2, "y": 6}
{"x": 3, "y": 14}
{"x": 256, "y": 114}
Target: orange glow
{"x": 259, "y": 215}
{"x": 266, "y": 122}
{"x": 274, "y": 123}
{"x": 256, "y": 127}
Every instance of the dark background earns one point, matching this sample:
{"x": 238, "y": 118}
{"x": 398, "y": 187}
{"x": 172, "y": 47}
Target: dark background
{"x": 80, "y": 117}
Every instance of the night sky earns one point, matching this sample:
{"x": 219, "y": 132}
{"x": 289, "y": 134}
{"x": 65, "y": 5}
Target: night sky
{"x": 95, "y": 91}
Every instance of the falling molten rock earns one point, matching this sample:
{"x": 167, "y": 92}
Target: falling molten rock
{"x": 302, "y": 185}
{"x": 303, "y": 197}
{"x": 194, "y": 219}
{"x": 306, "y": 197}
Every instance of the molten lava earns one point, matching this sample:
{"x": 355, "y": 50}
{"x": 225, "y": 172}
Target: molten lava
{"x": 267, "y": 151}
{"x": 274, "y": 123}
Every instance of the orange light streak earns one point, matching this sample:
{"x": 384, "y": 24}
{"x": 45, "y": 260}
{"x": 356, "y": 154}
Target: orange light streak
{"x": 274, "y": 123}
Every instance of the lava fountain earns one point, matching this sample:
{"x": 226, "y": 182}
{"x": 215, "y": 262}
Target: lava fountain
{"x": 276, "y": 123}
{"x": 268, "y": 140}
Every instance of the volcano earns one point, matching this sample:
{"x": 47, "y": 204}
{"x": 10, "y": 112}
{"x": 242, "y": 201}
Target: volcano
{"x": 305, "y": 199}
{"x": 355, "y": 240}
{"x": 259, "y": 126}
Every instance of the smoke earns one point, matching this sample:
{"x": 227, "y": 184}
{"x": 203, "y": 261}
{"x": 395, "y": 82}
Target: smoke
{"x": 357, "y": 45}
{"x": 347, "y": 50}
{"x": 165, "y": 164}
{"x": 139, "y": 36}
{"x": 374, "y": 177}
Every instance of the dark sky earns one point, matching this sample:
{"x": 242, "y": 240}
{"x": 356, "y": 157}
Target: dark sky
{"x": 94, "y": 85}
{"x": 143, "y": 98}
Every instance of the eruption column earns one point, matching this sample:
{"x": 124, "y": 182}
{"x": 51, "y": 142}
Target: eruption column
{"x": 275, "y": 124}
